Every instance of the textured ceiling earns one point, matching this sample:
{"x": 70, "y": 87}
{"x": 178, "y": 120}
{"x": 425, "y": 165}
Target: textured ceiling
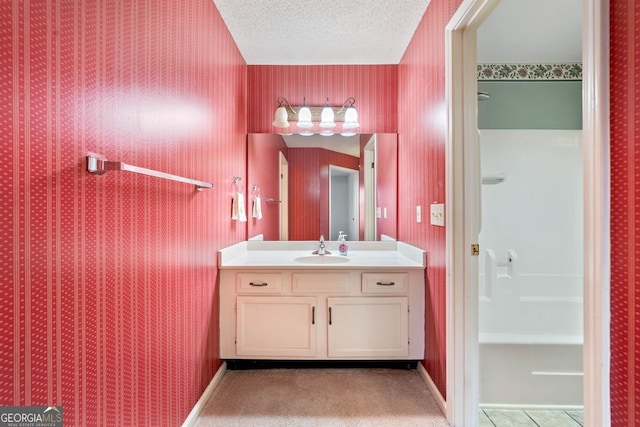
{"x": 311, "y": 32}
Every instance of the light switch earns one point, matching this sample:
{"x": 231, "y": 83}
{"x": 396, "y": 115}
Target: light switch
{"x": 418, "y": 213}
{"x": 437, "y": 214}
{"x": 384, "y": 213}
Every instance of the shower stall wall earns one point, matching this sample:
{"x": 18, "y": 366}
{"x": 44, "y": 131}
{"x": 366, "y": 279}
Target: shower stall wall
{"x": 531, "y": 268}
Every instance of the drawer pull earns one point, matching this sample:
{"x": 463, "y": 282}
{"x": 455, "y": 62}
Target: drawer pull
{"x": 385, "y": 283}
{"x": 258, "y": 284}
{"x": 313, "y": 315}
{"x": 329, "y": 315}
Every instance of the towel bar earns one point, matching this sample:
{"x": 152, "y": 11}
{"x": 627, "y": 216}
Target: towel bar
{"x": 98, "y": 165}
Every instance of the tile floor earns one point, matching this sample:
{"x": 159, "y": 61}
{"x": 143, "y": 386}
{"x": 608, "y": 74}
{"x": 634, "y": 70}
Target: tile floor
{"x": 530, "y": 418}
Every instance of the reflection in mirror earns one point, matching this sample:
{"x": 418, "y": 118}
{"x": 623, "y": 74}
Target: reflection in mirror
{"x": 312, "y": 186}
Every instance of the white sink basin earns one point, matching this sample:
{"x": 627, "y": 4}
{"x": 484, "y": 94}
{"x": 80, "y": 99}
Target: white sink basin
{"x": 321, "y": 259}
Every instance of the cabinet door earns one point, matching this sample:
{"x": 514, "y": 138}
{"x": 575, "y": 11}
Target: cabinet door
{"x": 276, "y": 326}
{"x": 368, "y": 327}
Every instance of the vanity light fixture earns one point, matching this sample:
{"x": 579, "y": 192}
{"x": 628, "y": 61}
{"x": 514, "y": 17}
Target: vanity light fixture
{"x": 327, "y": 117}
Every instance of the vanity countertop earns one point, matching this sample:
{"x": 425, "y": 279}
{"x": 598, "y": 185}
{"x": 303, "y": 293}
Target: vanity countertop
{"x": 298, "y": 254}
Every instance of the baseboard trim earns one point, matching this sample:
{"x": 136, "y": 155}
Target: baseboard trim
{"x": 437, "y": 396}
{"x": 195, "y": 412}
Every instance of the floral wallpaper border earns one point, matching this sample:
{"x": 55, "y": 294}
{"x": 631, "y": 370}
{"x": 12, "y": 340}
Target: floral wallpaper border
{"x": 567, "y": 71}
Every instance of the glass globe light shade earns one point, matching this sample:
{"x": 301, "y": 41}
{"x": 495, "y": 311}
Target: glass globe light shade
{"x": 350, "y": 119}
{"x": 304, "y": 118}
{"x": 326, "y": 118}
{"x": 281, "y": 119}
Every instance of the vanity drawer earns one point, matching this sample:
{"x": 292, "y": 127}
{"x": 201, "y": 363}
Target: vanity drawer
{"x": 259, "y": 283}
{"x": 321, "y": 282}
{"x": 385, "y": 283}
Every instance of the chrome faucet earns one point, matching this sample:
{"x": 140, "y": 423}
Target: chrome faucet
{"x": 321, "y": 247}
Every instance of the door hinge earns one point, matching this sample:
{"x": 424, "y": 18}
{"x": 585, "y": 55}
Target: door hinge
{"x": 373, "y": 165}
{"x": 475, "y": 249}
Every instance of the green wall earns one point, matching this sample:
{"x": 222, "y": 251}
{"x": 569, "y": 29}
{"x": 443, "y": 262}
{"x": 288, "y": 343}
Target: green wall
{"x": 531, "y": 105}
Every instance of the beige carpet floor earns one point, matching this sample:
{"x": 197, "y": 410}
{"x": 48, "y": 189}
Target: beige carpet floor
{"x": 322, "y": 397}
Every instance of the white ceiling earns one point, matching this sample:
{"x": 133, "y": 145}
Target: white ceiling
{"x": 311, "y": 32}
{"x": 532, "y": 31}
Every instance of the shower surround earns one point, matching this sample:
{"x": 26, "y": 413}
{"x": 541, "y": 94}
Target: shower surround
{"x": 530, "y": 265}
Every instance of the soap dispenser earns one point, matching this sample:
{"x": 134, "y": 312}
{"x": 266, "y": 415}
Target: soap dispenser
{"x": 343, "y": 248}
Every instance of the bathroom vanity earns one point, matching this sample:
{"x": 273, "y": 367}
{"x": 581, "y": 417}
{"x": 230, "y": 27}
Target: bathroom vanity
{"x": 280, "y": 301}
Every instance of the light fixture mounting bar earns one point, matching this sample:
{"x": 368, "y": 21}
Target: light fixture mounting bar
{"x": 338, "y": 113}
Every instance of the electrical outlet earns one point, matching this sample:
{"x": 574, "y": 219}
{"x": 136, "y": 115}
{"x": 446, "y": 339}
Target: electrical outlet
{"x": 437, "y": 214}
{"x": 418, "y": 213}
{"x": 378, "y": 215}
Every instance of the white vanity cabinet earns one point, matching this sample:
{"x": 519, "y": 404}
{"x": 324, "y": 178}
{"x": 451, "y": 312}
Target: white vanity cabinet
{"x": 322, "y": 314}
{"x": 275, "y": 326}
{"x": 368, "y": 327}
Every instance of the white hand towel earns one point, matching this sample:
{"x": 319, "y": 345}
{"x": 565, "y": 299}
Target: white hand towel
{"x": 238, "y": 211}
{"x": 257, "y": 209}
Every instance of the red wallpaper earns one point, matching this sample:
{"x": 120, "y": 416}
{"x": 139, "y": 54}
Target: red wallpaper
{"x": 309, "y": 190}
{"x": 421, "y": 180}
{"x": 108, "y": 283}
{"x": 375, "y": 88}
{"x": 625, "y": 212}
{"x": 304, "y": 194}
{"x": 263, "y": 168}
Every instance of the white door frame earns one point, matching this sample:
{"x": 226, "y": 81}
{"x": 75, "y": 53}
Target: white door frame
{"x": 463, "y": 205}
{"x": 283, "y": 184}
{"x": 370, "y": 185}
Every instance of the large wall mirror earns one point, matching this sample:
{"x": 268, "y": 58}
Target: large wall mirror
{"x": 319, "y": 185}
